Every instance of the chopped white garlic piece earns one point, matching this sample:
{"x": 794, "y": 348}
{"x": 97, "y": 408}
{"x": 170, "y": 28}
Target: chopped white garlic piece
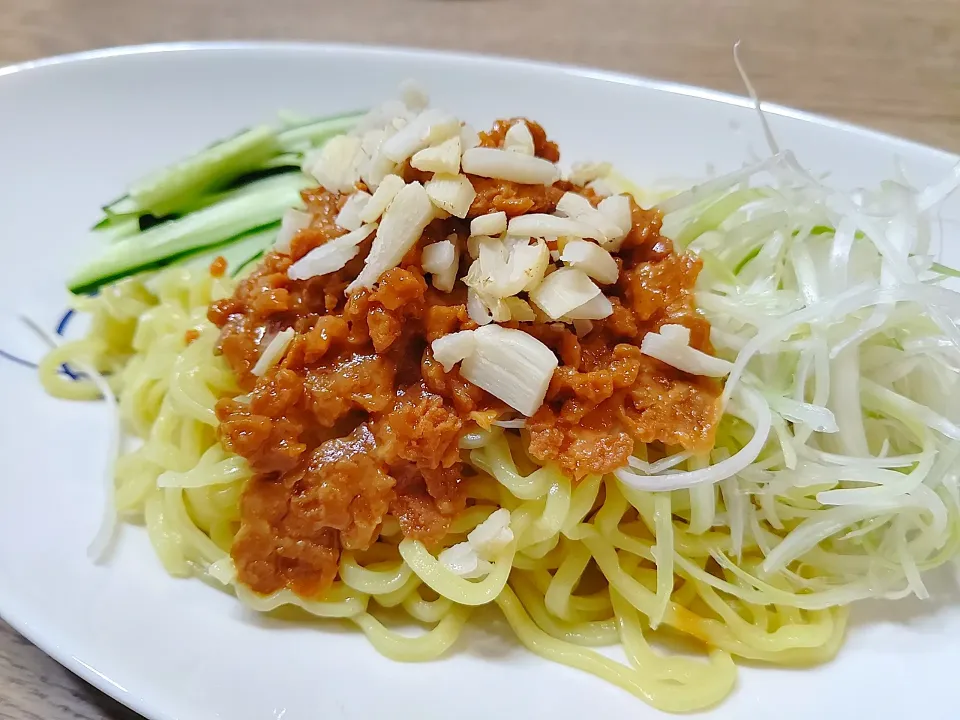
{"x": 442, "y": 158}
{"x": 462, "y": 560}
{"x": 400, "y": 227}
{"x": 452, "y": 193}
{"x": 510, "y": 365}
{"x": 442, "y": 131}
{"x": 584, "y": 172}
{"x": 428, "y": 127}
{"x": 673, "y": 348}
{"x": 473, "y": 245}
{"x": 477, "y": 310}
{"x": 484, "y": 308}
{"x": 377, "y": 166}
{"x": 338, "y": 167}
{"x": 573, "y": 205}
{"x": 441, "y": 259}
{"x": 542, "y": 225}
{"x": 371, "y": 140}
{"x": 494, "y": 223}
{"x": 331, "y": 256}
{"x": 381, "y": 116}
{"x": 617, "y": 209}
{"x": 413, "y": 95}
{"x": 349, "y": 216}
{"x": 563, "y": 291}
{"x": 293, "y": 221}
{"x": 503, "y": 271}
{"x": 520, "y": 310}
{"x": 468, "y": 137}
{"x": 582, "y": 327}
{"x": 491, "y": 536}
{"x": 274, "y": 351}
{"x": 504, "y": 165}
{"x": 381, "y": 199}
{"x": 518, "y": 139}
{"x": 601, "y": 188}
{"x": 592, "y": 259}
{"x": 596, "y": 308}
{"x": 451, "y": 349}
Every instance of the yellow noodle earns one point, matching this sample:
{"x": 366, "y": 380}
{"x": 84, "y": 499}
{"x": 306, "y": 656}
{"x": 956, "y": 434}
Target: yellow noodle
{"x": 592, "y": 563}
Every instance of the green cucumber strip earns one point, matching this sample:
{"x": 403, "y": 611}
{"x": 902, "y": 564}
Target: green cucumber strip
{"x": 291, "y": 119}
{"x": 287, "y": 159}
{"x": 117, "y": 229}
{"x": 316, "y": 133}
{"x": 237, "y": 251}
{"x": 122, "y": 206}
{"x": 246, "y": 267}
{"x": 258, "y": 205}
{"x": 713, "y": 216}
{"x": 944, "y": 270}
{"x": 166, "y": 191}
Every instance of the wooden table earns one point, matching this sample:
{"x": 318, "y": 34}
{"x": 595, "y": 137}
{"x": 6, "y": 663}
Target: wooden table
{"x": 889, "y": 64}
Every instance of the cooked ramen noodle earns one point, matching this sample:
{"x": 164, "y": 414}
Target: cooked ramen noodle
{"x": 458, "y": 377}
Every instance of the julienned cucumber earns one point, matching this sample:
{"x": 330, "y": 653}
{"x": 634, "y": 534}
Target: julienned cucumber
{"x": 162, "y": 192}
{"x": 317, "y": 132}
{"x": 258, "y": 205}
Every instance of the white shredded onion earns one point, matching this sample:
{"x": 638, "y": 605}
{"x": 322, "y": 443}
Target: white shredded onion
{"x": 673, "y": 348}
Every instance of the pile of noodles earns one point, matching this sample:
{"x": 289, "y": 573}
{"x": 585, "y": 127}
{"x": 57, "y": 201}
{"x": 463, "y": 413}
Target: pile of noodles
{"x": 585, "y": 570}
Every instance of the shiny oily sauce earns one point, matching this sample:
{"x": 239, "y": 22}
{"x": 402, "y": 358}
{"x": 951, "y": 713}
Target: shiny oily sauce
{"x": 358, "y": 423}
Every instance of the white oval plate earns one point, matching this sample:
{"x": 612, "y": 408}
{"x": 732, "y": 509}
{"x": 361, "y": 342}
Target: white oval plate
{"x": 74, "y": 131}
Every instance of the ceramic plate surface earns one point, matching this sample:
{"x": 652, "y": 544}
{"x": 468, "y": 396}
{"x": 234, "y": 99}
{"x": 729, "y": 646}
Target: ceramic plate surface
{"x": 74, "y": 131}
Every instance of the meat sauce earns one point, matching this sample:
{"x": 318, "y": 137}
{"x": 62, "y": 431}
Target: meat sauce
{"x": 358, "y": 422}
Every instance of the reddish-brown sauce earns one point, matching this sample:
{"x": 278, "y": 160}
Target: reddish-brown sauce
{"x": 359, "y": 422}
{"x": 219, "y": 266}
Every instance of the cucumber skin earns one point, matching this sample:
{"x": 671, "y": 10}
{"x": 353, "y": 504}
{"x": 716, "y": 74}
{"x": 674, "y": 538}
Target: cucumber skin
{"x": 163, "y": 244}
{"x": 238, "y": 251}
{"x": 166, "y": 191}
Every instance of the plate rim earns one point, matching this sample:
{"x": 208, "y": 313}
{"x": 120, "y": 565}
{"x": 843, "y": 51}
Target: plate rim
{"x": 571, "y": 69}
{"x": 34, "y": 632}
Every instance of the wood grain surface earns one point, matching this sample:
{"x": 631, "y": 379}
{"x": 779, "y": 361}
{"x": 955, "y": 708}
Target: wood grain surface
{"x": 888, "y": 64}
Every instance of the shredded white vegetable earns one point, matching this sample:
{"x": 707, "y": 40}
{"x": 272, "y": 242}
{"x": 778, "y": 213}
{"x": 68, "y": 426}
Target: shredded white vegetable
{"x": 840, "y": 435}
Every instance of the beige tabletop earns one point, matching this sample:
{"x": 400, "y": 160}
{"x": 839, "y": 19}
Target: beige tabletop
{"x": 890, "y": 64}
